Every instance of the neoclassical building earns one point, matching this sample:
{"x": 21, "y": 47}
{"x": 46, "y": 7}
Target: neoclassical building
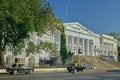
{"x": 77, "y": 37}
{"x": 108, "y": 46}
{"x": 89, "y": 43}
{"x": 36, "y": 58}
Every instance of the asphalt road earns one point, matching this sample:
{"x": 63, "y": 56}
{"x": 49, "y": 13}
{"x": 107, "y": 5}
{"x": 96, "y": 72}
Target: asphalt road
{"x": 110, "y": 75}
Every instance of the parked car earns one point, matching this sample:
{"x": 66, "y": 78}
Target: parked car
{"x": 73, "y": 68}
{"x": 19, "y": 68}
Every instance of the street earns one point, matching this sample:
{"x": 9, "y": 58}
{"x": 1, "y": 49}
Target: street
{"x": 110, "y": 75}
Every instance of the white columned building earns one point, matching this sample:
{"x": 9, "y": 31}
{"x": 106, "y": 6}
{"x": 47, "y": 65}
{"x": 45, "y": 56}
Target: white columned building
{"x": 90, "y": 43}
{"x": 80, "y": 37}
{"x": 108, "y": 46}
{"x": 77, "y": 37}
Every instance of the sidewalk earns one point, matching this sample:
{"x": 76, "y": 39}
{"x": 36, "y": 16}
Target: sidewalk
{"x": 2, "y": 71}
{"x": 43, "y": 70}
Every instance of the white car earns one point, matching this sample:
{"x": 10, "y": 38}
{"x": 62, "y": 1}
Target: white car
{"x": 19, "y": 68}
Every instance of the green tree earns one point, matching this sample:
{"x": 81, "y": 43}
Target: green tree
{"x": 31, "y": 48}
{"x": 63, "y": 50}
{"x": 17, "y": 50}
{"x": 118, "y": 53}
{"x": 47, "y": 46}
{"x": 20, "y": 17}
{"x": 115, "y": 35}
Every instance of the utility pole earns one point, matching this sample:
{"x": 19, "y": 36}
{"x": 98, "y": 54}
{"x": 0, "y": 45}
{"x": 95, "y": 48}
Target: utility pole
{"x": 66, "y": 12}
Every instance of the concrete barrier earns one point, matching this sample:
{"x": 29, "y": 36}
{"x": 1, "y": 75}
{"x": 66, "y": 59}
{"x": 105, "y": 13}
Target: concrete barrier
{"x": 50, "y": 69}
{"x": 3, "y": 71}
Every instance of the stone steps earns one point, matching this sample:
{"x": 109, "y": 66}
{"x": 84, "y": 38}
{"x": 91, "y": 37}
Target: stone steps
{"x": 100, "y": 63}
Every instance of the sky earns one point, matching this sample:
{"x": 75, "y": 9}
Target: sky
{"x": 99, "y": 16}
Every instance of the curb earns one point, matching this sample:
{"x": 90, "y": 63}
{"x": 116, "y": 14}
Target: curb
{"x": 90, "y": 71}
{"x": 94, "y": 71}
{"x": 44, "y": 70}
{"x": 2, "y": 71}
{"x": 41, "y": 70}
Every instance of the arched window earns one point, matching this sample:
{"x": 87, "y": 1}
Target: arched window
{"x": 32, "y": 61}
{"x": 9, "y": 61}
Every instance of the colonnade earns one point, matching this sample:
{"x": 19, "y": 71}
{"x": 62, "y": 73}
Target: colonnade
{"x": 85, "y": 45}
{"x": 107, "y": 49}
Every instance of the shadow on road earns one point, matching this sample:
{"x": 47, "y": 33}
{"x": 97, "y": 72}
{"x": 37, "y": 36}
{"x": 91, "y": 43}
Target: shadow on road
{"x": 115, "y": 70}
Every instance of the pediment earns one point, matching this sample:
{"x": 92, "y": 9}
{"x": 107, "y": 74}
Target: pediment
{"x": 77, "y": 27}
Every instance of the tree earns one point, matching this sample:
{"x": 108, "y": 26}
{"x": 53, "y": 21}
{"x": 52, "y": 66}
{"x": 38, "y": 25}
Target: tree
{"x": 17, "y": 50}
{"x": 31, "y": 48}
{"x": 115, "y": 35}
{"x": 47, "y": 46}
{"x": 18, "y": 18}
{"x": 63, "y": 50}
{"x": 118, "y": 53}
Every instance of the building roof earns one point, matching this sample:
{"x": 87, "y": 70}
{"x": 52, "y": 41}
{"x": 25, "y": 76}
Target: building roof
{"x": 76, "y": 26}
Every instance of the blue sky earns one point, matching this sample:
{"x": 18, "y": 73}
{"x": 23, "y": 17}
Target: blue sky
{"x": 99, "y": 16}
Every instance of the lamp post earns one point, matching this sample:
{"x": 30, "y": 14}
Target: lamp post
{"x": 79, "y": 52}
{"x": 95, "y": 62}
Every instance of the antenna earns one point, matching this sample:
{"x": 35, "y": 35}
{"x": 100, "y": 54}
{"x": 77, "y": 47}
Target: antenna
{"x": 66, "y": 12}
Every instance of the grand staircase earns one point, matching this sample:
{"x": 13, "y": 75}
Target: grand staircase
{"x": 99, "y": 63}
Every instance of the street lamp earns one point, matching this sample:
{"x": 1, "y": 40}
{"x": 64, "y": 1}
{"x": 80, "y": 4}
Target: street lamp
{"x": 95, "y": 62}
{"x": 79, "y": 53}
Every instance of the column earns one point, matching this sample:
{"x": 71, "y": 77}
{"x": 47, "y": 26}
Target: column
{"x": 102, "y": 48}
{"x": 113, "y": 52}
{"x": 83, "y": 48}
{"x": 88, "y": 47}
{"x": 59, "y": 41}
{"x": 92, "y": 52}
{"x": 78, "y": 44}
{"x": 72, "y": 44}
{"x": 69, "y": 43}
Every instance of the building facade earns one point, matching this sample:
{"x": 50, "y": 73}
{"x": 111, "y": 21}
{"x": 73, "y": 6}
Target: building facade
{"x": 77, "y": 38}
{"x": 39, "y": 56}
{"x": 89, "y": 43}
{"x": 108, "y": 46}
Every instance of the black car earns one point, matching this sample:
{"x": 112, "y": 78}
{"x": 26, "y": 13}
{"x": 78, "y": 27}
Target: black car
{"x": 74, "y": 68}
{"x": 19, "y": 68}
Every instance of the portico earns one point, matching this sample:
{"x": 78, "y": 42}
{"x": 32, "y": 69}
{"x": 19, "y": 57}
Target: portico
{"x": 77, "y": 37}
{"x": 89, "y": 43}
{"x": 85, "y": 45}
